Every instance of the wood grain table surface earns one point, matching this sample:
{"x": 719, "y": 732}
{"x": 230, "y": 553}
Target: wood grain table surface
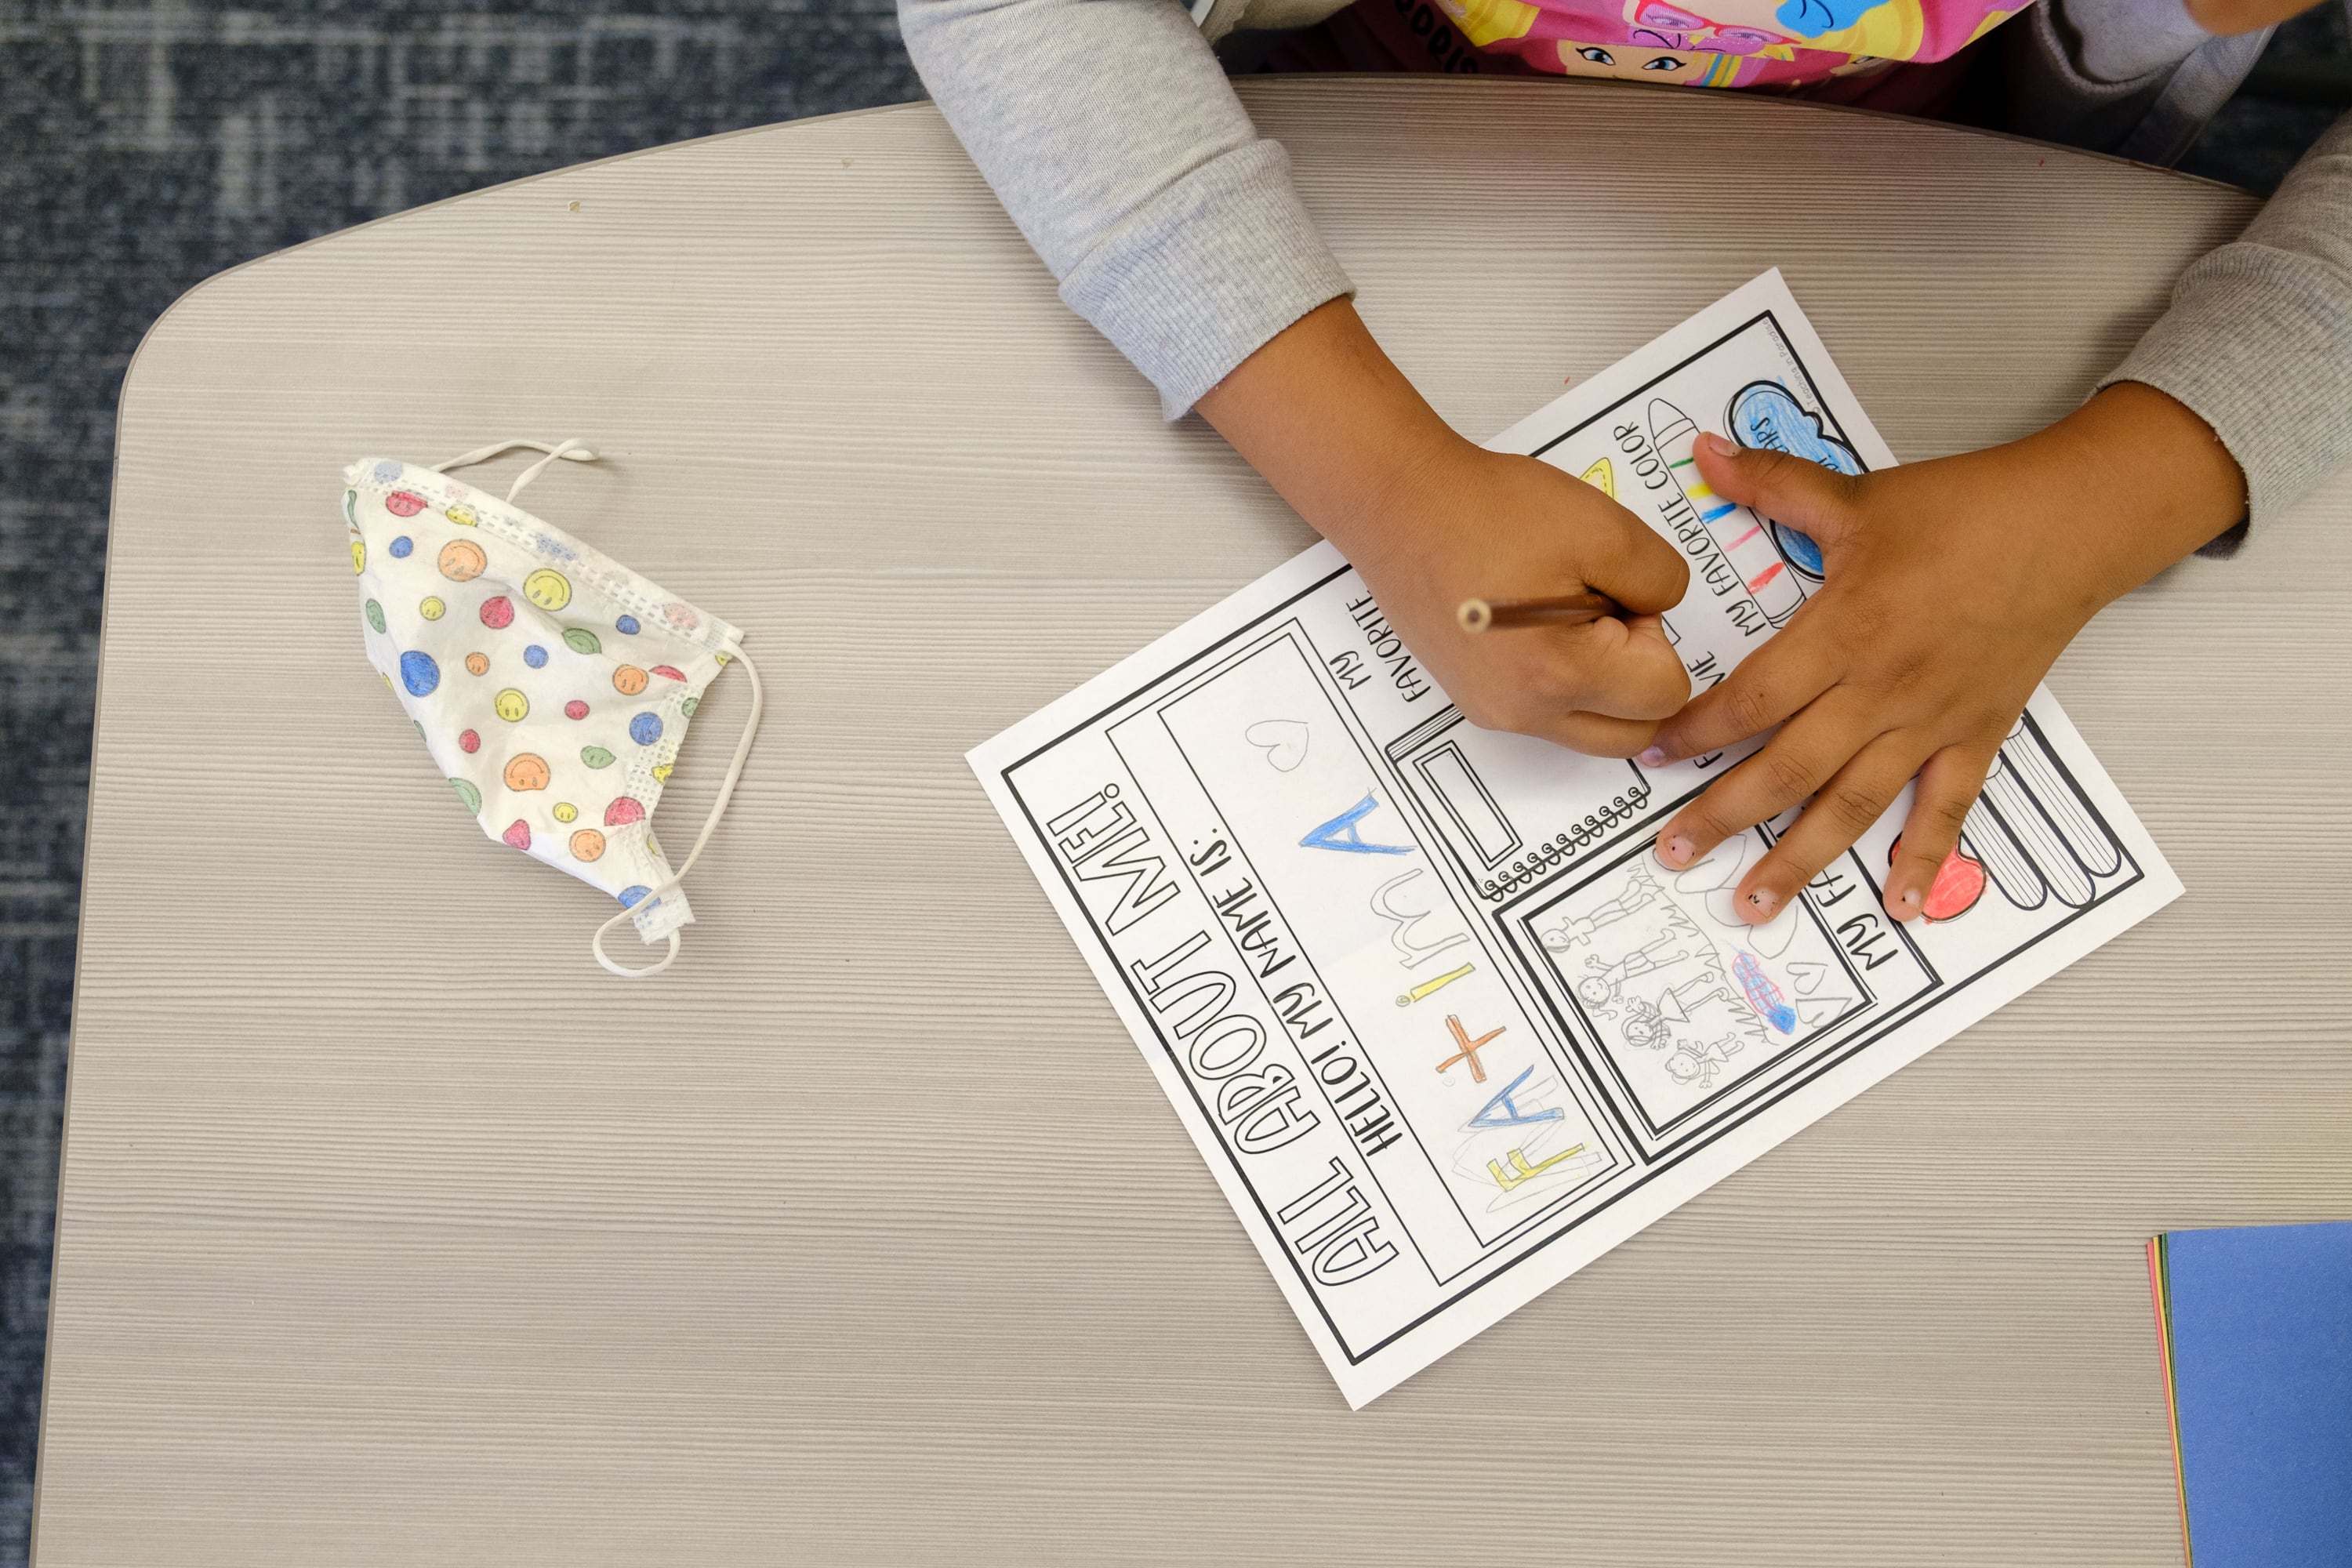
{"x": 392, "y": 1231}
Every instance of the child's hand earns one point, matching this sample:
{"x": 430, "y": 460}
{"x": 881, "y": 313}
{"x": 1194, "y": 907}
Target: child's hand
{"x": 1951, "y": 587}
{"x": 1475, "y": 523}
{"x": 1430, "y": 520}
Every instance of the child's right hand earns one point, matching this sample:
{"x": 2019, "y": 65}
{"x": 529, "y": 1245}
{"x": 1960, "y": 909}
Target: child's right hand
{"x": 1481, "y": 524}
{"x": 1430, "y": 520}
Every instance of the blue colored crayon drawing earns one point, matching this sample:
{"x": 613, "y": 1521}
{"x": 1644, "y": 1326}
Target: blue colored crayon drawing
{"x": 1340, "y": 832}
{"x": 1766, "y": 415}
{"x": 1511, "y": 1116}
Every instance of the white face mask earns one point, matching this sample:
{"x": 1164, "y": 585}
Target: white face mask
{"x": 551, "y": 684}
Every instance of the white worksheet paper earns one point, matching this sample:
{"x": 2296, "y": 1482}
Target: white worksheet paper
{"x": 1443, "y": 1027}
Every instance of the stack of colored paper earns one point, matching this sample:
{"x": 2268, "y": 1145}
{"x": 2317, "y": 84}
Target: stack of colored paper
{"x": 2255, "y": 1328}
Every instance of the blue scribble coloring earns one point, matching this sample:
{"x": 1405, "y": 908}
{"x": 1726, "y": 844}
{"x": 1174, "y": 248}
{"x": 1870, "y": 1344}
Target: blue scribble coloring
{"x": 646, "y": 729}
{"x": 1762, "y": 994}
{"x": 535, "y": 657}
{"x": 1766, "y": 416}
{"x": 1340, "y": 832}
{"x": 627, "y": 626}
{"x": 1764, "y": 413}
{"x": 1486, "y": 1117}
{"x": 1802, "y": 552}
{"x": 386, "y": 472}
{"x": 401, "y": 546}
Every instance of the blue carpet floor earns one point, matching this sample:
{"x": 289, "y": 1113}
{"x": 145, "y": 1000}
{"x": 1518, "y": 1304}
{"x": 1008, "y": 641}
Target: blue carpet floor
{"x": 146, "y": 146}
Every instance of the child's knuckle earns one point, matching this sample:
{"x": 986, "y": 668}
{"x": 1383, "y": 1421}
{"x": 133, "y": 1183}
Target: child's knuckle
{"x": 1786, "y": 774}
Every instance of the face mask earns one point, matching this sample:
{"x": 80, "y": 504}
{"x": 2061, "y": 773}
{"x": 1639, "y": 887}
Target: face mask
{"x": 551, "y": 684}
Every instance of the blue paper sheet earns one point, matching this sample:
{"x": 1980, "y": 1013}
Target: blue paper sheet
{"x": 2261, "y": 1369}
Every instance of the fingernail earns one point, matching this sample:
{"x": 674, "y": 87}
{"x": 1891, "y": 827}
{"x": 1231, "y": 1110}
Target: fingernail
{"x": 1906, "y": 907}
{"x": 1765, "y": 901}
{"x": 1674, "y": 849}
{"x": 1722, "y": 446}
{"x": 1656, "y": 757}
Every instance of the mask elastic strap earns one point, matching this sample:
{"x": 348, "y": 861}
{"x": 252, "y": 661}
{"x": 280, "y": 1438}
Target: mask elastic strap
{"x": 725, "y": 790}
{"x": 570, "y": 451}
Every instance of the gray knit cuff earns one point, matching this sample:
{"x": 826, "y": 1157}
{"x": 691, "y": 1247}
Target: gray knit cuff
{"x": 1198, "y": 278}
{"x": 2258, "y": 344}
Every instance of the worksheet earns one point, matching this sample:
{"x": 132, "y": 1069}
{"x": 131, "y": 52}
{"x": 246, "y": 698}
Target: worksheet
{"x": 1442, "y": 1024}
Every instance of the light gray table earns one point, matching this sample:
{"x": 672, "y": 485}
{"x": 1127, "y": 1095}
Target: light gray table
{"x": 395, "y": 1232}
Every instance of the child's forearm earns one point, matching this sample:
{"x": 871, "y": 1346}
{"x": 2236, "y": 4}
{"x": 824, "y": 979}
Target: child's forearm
{"x": 1335, "y": 427}
{"x": 2258, "y": 341}
{"x": 2149, "y": 483}
{"x": 1113, "y": 138}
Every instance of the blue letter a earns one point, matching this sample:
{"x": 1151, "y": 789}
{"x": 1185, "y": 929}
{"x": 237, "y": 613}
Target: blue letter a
{"x": 1340, "y": 832}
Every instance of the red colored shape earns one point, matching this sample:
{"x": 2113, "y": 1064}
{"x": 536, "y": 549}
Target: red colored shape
{"x": 666, "y": 669}
{"x": 400, "y": 503}
{"x": 519, "y": 834}
{"x": 468, "y": 742}
{"x": 498, "y": 612}
{"x": 624, "y": 810}
{"x": 575, "y": 709}
{"x": 1959, "y": 883}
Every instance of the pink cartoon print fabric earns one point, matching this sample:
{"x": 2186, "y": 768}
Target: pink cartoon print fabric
{"x": 1706, "y": 43}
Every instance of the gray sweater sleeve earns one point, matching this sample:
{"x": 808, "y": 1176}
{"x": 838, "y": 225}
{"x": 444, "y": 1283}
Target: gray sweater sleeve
{"x": 2259, "y": 338}
{"x": 1113, "y": 138}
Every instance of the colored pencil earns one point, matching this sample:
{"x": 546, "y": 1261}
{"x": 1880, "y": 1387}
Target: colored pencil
{"x": 1567, "y": 610}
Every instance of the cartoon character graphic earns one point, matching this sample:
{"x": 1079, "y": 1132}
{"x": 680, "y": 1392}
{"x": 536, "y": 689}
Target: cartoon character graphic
{"x": 1485, "y": 22}
{"x": 1670, "y": 26}
{"x": 1894, "y": 28}
{"x": 1643, "y": 62}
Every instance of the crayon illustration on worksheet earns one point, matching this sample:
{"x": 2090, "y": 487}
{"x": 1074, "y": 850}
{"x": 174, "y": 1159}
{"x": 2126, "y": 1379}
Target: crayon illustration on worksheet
{"x": 1442, "y": 1024}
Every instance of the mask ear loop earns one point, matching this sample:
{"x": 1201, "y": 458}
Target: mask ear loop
{"x": 725, "y": 792}
{"x": 570, "y": 451}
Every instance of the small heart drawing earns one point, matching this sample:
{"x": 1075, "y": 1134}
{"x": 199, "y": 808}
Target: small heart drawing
{"x": 1284, "y": 741}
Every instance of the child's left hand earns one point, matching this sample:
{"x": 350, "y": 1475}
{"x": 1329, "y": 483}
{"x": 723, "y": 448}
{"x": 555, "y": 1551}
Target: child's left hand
{"x": 1950, "y": 589}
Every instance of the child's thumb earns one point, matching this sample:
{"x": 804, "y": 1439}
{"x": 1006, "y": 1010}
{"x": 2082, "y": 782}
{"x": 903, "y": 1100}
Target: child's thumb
{"x": 1788, "y": 490}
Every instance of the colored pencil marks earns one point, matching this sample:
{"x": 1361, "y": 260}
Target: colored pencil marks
{"x": 1766, "y": 416}
{"x": 1741, "y": 541}
{"x": 1672, "y": 987}
{"x": 1376, "y": 927}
